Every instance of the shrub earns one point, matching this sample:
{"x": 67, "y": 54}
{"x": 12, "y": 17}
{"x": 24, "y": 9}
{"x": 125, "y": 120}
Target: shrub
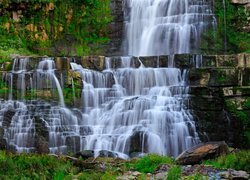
{"x": 238, "y": 161}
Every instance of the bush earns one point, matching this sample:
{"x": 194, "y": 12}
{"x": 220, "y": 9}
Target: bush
{"x": 238, "y": 161}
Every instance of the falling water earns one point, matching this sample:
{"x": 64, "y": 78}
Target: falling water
{"x": 163, "y": 27}
{"x": 127, "y": 107}
{"x": 145, "y": 106}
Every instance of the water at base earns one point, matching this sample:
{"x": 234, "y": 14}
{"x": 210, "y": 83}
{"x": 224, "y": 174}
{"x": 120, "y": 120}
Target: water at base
{"x": 164, "y": 27}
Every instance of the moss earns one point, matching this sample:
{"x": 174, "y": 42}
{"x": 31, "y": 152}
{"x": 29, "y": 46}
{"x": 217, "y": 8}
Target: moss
{"x": 229, "y": 37}
{"x": 55, "y": 27}
{"x": 241, "y": 115}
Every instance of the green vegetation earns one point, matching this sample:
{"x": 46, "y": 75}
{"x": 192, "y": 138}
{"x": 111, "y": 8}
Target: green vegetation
{"x": 240, "y": 111}
{"x": 33, "y": 167}
{"x": 238, "y": 161}
{"x": 53, "y": 27}
{"x": 230, "y": 37}
{"x": 174, "y": 173}
{"x": 149, "y": 163}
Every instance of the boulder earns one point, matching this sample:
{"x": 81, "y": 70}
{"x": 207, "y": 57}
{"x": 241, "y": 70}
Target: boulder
{"x": 85, "y": 154}
{"x": 105, "y": 153}
{"x": 202, "y": 152}
{"x": 7, "y": 117}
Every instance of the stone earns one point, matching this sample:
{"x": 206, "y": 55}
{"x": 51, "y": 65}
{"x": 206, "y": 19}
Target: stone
{"x": 7, "y": 117}
{"x": 240, "y": 1}
{"x": 105, "y": 153}
{"x": 85, "y": 154}
{"x": 233, "y": 174}
{"x": 202, "y": 152}
{"x": 73, "y": 143}
{"x": 135, "y": 142}
{"x": 239, "y": 174}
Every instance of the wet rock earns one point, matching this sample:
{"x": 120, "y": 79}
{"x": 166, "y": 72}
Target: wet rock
{"x": 41, "y": 136}
{"x": 105, "y": 153}
{"x": 73, "y": 143}
{"x": 85, "y": 130}
{"x": 138, "y": 142}
{"x": 129, "y": 175}
{"x": 7, "y": 117}
{"x": 233, "y": 174}
{"x": 42, "y": 145}
{"x": 136, "y": 154}
{"x": 85, "y": 154}
{"x": 2, "y": 140}
{"x": 202, "y": 152}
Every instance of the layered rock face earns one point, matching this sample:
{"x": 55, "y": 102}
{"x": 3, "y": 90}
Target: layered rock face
{"x": 218, "y": 96}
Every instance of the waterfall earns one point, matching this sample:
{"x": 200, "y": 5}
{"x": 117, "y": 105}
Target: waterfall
{"x": 164, "y": 27}
{"x": 145, "y": 106}
{"x": 126, "y": 108}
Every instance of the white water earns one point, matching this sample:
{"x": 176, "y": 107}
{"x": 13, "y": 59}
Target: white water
{"x": 148, "y": 102}
{"x": 164, "y": 27}
{"x": 46, "y": 72}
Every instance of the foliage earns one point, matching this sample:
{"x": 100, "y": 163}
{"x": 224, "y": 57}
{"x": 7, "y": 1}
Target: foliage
{"x": 33, "y": 167}
{"x": 54, "y": 27}
{"x": 238, "y": 161}
{"x": 174, "y": 173}
{"x": 230, "y": 37}
{"x": 243, "y": 116}
{"x": 149, "y": 163}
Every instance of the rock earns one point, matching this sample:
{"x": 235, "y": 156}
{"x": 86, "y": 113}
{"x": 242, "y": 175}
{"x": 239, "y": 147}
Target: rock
{"x": 73, "y": 143}
{"x": 41, "y": 136}
{"x": 239, "y": 174}
{"x": 240, "y": 1}
{"x": 136, "y": 142}
{"x": 7, "y": 117}
{"x": 160, "y": 176}
{"x": 105, "y": 153}
{"x": 2, "y": 140}
{"x": 129, "y": 175}
{"x": 202, "y": 152}
{"x": 136, "y": 154}
{"x": 233, "y": 174}
{"x": 85, "y": 154}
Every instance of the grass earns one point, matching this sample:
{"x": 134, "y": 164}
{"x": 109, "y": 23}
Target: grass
{"x": 174, "y": 173}
{"x": 150, "y": 163}
{"x": 33, "y": 167}
{"x": 238, "y": 161}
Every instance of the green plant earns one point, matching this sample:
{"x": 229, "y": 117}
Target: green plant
{"x": 238, "y": 161}
{"x": 174, "y": 173}
{"x": 149, "y": 163}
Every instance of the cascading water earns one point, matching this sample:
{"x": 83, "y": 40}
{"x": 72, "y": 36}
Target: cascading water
{"x": 164, "y": 27}
{"x": 127, "y": 108}
{"x": 143, "y": 106}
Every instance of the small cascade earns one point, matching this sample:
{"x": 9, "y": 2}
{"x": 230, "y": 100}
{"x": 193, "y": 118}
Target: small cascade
{"x": 46, "y": 76}
{"x": 24, "y": 78}
{"x": 164, "y": 27}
